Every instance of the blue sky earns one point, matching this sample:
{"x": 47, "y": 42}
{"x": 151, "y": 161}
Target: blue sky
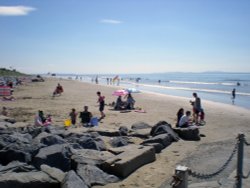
{"x": 125, "y": 36}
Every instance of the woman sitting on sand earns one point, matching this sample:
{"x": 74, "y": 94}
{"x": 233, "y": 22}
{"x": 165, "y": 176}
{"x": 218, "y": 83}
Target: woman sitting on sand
{"x": 119, "y": 105}
{"x": 130, "y": 102}
{"x": 179, "y": 114}
{"x": 58, "y": 90}
{"x": 40, "y": 120}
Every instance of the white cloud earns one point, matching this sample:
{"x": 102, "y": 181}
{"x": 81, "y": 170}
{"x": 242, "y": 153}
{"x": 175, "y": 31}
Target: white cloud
{"x": 110, "y": 21}
{"x": 15, "y": 10}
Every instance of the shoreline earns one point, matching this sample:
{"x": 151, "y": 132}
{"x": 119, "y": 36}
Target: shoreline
{"x": 224, "y": 122}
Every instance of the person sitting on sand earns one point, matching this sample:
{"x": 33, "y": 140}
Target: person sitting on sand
{"x": 85, "y": 116}
{"x": 58, "y": 90}
{"x": 130, "y": 102}
{"x": 119, "y": 105}
{"x": 4, "y": 111}
{"x": 48, "y": 120}
{"x": 179, "y": 114}
{"x": 185, "y": 120}
{"x": 40, "y": 119}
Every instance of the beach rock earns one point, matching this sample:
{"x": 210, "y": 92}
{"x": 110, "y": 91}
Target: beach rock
{"x": 129, "y": 159}
{"x": 141, "y": 133}
{"x": 88, "y": 156}
{"x": 118, "y": 141}
{"x": 157, "y": 146}
{"x": 108, "y": 133}
{"x": 123, "y": 131}
{"x": 16, "y": 166}
{"x": 52, "y": 139}
{"x": 6, "y": 156}
{"x": 191, "y": 133}
{"x": 57, "y": 156}
{"x": 72, "y": 180}
{"x": 27, "y": 180}
{"x": 95, "y": 176}
{"x": 163, "y": 127}
{"x": 55, "y": 173}
{"x": 163, "y": 139}
{"x": 140, "y": 125}
{"x": 87, "y": 142}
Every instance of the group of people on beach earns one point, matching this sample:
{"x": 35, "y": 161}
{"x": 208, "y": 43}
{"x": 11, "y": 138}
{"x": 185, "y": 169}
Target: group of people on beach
{"x": 184, "y": 120}
{"x": 125, "y": 105}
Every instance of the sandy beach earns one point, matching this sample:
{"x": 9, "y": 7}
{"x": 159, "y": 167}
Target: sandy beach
{"x": 223, "y": 122}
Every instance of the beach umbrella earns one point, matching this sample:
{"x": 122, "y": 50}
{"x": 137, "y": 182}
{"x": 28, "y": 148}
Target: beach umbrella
{"x": 132, "y": 90}
{"x": 120, "y": 92}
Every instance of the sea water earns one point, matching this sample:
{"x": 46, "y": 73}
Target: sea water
{"x": 213, "y": 86}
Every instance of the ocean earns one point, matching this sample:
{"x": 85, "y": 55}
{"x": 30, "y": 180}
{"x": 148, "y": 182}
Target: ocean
{"x": 212, "y": 86}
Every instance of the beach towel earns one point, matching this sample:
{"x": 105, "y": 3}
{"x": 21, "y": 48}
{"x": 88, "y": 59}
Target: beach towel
{"x": 5, "y": 91}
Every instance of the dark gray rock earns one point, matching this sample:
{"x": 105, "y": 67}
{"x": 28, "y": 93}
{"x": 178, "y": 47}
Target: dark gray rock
{"x": 191, "y": 133}
{"x": 72, "y": 180}
{"x": 95, "y": 176}
{"x": 16, "y": 166}
{"x": 57, "y": 156}
{"x": 52, "y": 140}
{"x": 87, "y": 142}
{"x": 119, "y": 141}
{"x": 157, "y": 146}
{"x": 88, "y": 156}
{"x": 129, "y": 159}
{"x": 6, "y": 156}
{"x": 140, "y": 125}
{"x": 27, "y": 180}
{"x": 53, "y": 172}
{"x": 163, "y": 139}
{"x": 123, "y": 131}
{"x": 163, "y": 127}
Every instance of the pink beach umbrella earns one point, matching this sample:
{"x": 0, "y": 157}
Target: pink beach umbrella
{"x": 120, "y": 92}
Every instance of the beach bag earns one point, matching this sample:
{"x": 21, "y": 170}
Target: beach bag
{"x": 94, "y": 121}
{"x": 67, "y": 122}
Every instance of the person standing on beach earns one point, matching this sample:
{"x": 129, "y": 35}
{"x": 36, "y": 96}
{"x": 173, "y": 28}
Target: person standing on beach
{"x": 196, "y": 107}
{"x": 101, "y": 103}
{"x": 233, "y": 95}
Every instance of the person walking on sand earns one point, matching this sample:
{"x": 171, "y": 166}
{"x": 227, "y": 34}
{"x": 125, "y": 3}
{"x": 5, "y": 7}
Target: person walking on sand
{"x": 101, "y": 103}
{"x": 233, "y": 95}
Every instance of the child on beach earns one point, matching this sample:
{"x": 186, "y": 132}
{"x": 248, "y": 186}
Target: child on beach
{"x": 101, "y": 103}
{"x": 185, "y": 120}
{"x": 72, "y": 116}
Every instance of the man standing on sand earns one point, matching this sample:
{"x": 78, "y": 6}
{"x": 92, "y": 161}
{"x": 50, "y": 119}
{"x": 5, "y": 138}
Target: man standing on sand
{"x": 196, "y": 107}
{"x": 101, "y": 104}
{"x": 233, "y": 95}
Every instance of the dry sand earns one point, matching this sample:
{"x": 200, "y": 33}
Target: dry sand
{"x": 224, "y": 121}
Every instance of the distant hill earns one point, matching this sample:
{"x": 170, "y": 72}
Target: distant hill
{"x": 7, "y": 72}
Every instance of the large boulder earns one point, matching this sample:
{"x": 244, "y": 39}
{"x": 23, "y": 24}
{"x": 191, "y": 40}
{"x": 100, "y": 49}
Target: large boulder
{"x": 6, "y": 156}
{"x": 128, "y": 159}
{"x": 16, "y": 166}
{"x": 190, "y": 133}
{"x": 95, "y": 176}
{"x": 27, "y": 180}
{"x": 88, "y": 156}
{"x": 55, "y": 173}
{"x": 163, "y": 127}
{"x": 72, "y": 180}
{"x": 119, "y": 141}
{"x": 140, "y": 125}
{"x": 57, "y": 156}
{"x": 123, "y": 130}
{"x": 88, "y": 142}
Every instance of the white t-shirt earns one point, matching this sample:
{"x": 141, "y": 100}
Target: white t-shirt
{"x": 184, "y": 119}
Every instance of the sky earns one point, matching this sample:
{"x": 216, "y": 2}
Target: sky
{"x": 125, "y": 36}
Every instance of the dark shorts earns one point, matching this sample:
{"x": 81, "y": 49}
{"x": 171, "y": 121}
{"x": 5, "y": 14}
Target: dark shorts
{"x": 101, "y": 108}
{"x": 196, "y": 111}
